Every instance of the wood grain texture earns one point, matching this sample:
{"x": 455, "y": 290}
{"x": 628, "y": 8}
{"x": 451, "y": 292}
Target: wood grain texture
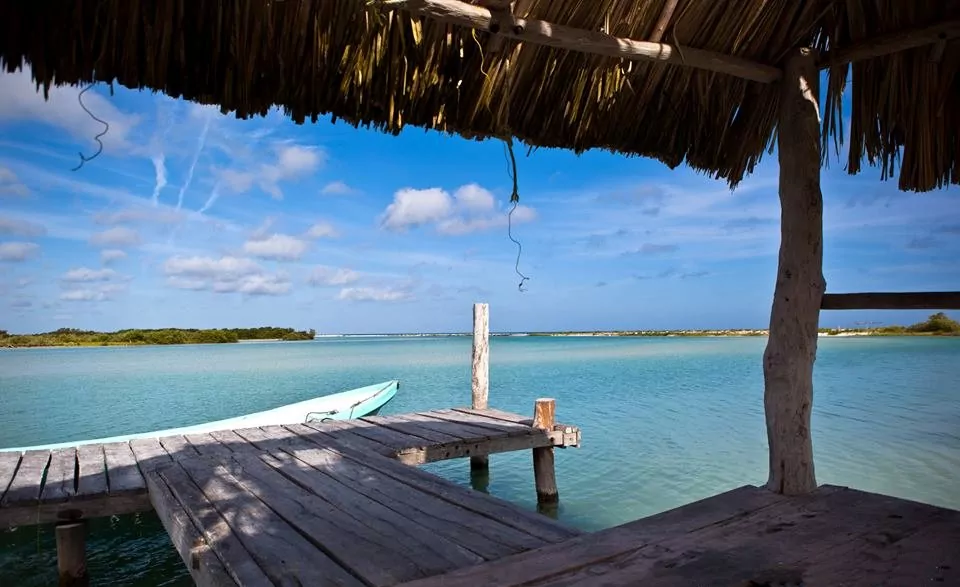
{"x": 895, "y": 42}
{"x": 71, "y": 541}
{"x": 201, "y": 561}
{"x": 371, "y": 554}
{"x": 149, "y": 453}
{"x": 216, "y": 531}
{"x": 587, "y": 41}
{"x": 480, "y": 356}
{"x": 792, "y": 343}
{"x": 178, "y": 447}
{"x": 475, "y": 418}
{"x": 8, "y": 466}
{"x": 284, "y": 554}
{"x": 411, "y": 427}
{"x": 27, "y": 484}
{"x": 59, "y": 484}
{"x": 122, "y": 472}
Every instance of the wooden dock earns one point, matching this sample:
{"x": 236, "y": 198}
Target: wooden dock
{"x": 110, "y": 479}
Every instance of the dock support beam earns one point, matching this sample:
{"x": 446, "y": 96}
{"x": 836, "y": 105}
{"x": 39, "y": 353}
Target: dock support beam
{"x": 792, "y": 343}
{"x": 544, "y": 474}
{"x": 480, "y": 383}
{"x": 72, "y": 554}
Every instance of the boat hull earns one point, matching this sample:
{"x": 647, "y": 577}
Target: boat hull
{"x": 354, "y": 403}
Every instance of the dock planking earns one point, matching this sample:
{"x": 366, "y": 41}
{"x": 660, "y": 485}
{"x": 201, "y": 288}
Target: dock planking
{"x": 94, "y": 480}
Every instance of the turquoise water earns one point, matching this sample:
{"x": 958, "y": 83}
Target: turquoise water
{"x": 665, "y": 421}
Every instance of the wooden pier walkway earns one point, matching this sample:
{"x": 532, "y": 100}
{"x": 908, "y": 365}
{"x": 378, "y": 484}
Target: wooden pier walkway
{"x": 97, "y": 480}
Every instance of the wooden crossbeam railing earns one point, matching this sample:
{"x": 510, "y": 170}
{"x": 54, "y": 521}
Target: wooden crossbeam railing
{"x": 892, "y": 43}
{"x": 943, "y": 300}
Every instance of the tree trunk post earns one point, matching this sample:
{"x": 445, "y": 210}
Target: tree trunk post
{"x": 480, "y": 380}
{"x": 792, "y": 344}
{"x": 72, "y": 554}
{"x": 544, "y": 474}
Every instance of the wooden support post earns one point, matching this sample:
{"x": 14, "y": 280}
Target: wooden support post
{"x": 480, "y": 380}
{"x": 544, "y": 474}
{"x": 72, "y": 554}
{"x": 792, "y": 343}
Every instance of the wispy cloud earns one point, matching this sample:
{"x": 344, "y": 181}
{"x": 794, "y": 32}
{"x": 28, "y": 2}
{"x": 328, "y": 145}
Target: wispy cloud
{"x": 276, "y": 247}
{"x": 108, "y": 256}
{"x": 337, "y": 188}
{"x": 323, "y": 276}
{"x": 323, "y": 229}
{"x": 224, "y": 275}
{"x": 20, "y": 227}
{"x": 119, "y": 236}
{"x": 10, "y": 185}
{"x": 85, "y": 274}
{"x": 18, "y": 251}
{"x": 374, "y": 294}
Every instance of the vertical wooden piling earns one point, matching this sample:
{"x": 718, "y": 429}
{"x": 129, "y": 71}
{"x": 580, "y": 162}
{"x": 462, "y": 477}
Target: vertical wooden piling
{"x": 792, "y": 343}
{"x": 72, "y": 554}
{"x": 545, "y": 476}
{"x": 480, "y": 383}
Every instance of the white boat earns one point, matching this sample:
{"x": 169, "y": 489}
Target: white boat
{"x": 355, "y": 403}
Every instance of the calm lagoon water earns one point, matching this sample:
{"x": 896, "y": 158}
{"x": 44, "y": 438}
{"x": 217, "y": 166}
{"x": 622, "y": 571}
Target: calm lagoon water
{"x": 665, "y": 421}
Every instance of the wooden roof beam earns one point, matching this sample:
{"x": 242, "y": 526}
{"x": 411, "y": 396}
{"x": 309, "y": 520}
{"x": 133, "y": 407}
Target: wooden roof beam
{"x": 539, "y": 32}
{"x": 934, "y": 300}
{"x": 889, "y": 43}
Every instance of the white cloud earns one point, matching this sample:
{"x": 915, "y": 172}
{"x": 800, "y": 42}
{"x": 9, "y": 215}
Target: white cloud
{"x": 337, "y": 188}
{"x": 292, "y": 162}
{"x": 374, "y": 294}
{"x": 10, "y": 185}
{"x": 323, "y": 275}
{"x": 278, "y": 247}
{"x": 224, "y": 268}
{"x": 471, "y": 208}
{"x": 18, "y": 251}
{"x": 85, "y": 274}
{"x": 16, "y": 227}
{"x": 323, "y": 230}
{"x": 92, "y": 294}
{"x": 108, "y": 256}
{"x": 256, "y": 285}
{"x": 412, "y": 207}
{"x": 20, "y": 100}
{"x": 118, "y": 236}
{"x": 224, "y": 275}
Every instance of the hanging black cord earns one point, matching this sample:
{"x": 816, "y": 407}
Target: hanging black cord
{"x": 515, "y": 199}
{"x": 106, "y": 128}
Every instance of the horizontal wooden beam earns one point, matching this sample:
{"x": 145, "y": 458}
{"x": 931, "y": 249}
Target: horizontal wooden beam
{"x": 937, "y": 300}
{"x": 891, "y": 43}
{"x": 539, "y": 32}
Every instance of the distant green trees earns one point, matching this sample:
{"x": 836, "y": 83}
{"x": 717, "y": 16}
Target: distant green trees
{"x": 938, "y": 323}
{"x": 136, "y": 336}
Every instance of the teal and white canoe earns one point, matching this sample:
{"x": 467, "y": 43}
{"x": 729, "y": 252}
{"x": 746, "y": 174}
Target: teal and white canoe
{"x": 355, "y": 403}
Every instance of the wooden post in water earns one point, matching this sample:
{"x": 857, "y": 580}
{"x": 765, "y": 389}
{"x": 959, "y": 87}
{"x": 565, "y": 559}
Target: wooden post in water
{"x": 792, "y": 343}
{"x": 544, "y": 474}
{"x": 72, "y": 554}
{"x": 480, "y": 381}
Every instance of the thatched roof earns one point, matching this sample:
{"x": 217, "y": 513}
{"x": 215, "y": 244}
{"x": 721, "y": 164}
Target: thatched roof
{"x": 389, "y": 67}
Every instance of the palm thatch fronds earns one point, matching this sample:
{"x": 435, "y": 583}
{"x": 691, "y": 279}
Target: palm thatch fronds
{"x": 389, "y": 69}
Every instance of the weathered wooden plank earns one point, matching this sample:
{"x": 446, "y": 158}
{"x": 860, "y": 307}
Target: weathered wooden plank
{"x": 460, "y": 429}
{"x": 58, "y": 485}
{"x": 8, "y": 466}
{"x": 385, "y": 436}
{"x": 428, "y": 454}
{"x": 232, "y": 440}
{"x": 27, "y": 484}
{"x": 379, "y": 557}
{"x": 412, "y": 428}
{"x": 496, "y": 414}
{"x": 204, "y": 566}
{"x": 92, "y": 474}
{"x": 178, "y": 447}
{"x": 927, "y": 555}
{"x": 746, "y": 549}
{"x": 256, "y": 437}
{"x": 149, "y": 453}
{"x": 122, "y": 471}
{"x": 475, "y": 418}
{"x": 216, "y": 531}
{"x": 342, "y": 434}
{"x": 529, "y": 522}
{"x": 941, "y": 300}
{"x": 484, "y": 536}
{"x": 282, "y": 552}
{"x": 95, "y": 506}
{"x": 584, "y": 551}
{"x": 207, "y": 445}
{"x": 563, "y": 435}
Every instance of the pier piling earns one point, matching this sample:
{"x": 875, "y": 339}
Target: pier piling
{"x": 72, "y": 554}
{"x": 480, "y": 380}
{"x": 543, "y": 468}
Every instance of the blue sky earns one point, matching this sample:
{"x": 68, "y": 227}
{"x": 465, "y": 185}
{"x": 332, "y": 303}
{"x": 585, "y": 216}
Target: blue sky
{"x": 191, "y": 218}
